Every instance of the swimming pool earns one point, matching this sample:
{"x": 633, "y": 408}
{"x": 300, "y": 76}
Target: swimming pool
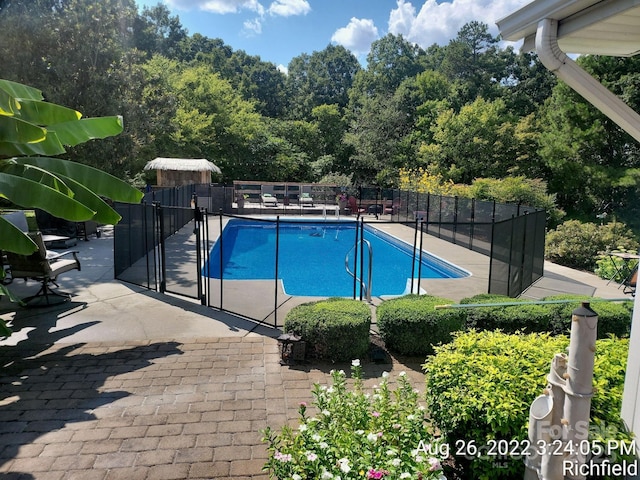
{"x": 311, "y": 258}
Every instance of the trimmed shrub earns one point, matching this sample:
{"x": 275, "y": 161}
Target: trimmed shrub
{"x": 577, "y": 245}
{"x": 510, "y": 319}
{"x": 613, "y": 318}
{"x": 410, "y": 325}
{"x": 479, "y": 388}
{"x": 335, "y": 329}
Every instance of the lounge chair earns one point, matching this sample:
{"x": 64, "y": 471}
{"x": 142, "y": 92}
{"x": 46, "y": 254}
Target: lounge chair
{"x": 306, "y": 199}
{"x": 269, "y": 200}
{"x": 44, "y": 267}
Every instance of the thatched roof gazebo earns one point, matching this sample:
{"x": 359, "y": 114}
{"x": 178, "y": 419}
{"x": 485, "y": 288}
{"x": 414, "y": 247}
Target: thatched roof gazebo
{"x": 173, "y": 172}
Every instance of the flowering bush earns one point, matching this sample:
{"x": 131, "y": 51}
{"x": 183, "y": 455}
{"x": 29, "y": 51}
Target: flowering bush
{"x": 356, "y": 435}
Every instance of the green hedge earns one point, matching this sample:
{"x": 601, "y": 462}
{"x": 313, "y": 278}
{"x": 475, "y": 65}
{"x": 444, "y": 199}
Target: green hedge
{"x": 335, "y": 329}
{"x": 613, "y": 318}
{"x": 411, "y": 326}
{"x": 526, "y": 318}
{"x": 480, "y": 387}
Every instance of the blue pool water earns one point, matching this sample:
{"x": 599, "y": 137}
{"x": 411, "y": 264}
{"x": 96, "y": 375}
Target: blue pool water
{"x": 311, "y": 259}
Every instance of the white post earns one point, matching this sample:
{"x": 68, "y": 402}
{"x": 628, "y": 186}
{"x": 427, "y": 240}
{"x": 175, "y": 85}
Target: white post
{"x": 579, "y": 386}
{"x": 631, "y": 396}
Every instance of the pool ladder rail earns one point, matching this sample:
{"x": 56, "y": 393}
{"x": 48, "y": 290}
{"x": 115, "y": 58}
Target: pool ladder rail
{"x": 366, "y": 287}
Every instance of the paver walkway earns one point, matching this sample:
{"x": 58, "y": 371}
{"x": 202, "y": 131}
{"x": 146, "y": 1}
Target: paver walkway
{"x": 149, "y": 410}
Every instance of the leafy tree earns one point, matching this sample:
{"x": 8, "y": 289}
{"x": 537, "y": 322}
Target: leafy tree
{"x": 332, "y": 128}
{"x": 391, "y": 60}
{"x": 157, "y": 32}
{"x": 593, "y": 165}
{"x": 322, "y": 78}
{"x": 477, "y": 142}
{"x": 375, "y": 135}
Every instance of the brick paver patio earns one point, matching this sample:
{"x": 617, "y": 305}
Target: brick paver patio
{"x": 149, "y": 410}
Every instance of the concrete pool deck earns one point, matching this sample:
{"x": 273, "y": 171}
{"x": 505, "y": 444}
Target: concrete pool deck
{"x": 122, "y": 383}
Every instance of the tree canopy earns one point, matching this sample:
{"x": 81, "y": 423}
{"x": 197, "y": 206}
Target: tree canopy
{"x": 466, "y": 110}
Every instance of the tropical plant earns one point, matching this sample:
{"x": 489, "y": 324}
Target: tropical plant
{"x": 31, "y": 131}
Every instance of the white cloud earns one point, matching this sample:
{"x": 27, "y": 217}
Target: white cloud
{"x": 218, "y": 6}
{"x": 288, "y": 8}
{"x": 283, "y": 69}
{"x": 440, "y": 22}
{"x": 252, "y": 27}
{"x": 357, "y": 36}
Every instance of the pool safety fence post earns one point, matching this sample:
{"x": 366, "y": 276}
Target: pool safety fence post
{"x": 473, "y": 223}
{"x": 207, "y": 283}
{"x": 355, "y": 260}
{"x": 275, "y": 296}
{"x": 420, "y": 257}
{"x": 511, "y": 239}
{"x": 455, "y": 218}
{"x": 413, "y": 257}
{"x": 221, "y": 262}
{"x": 163, "y": 257}
{"x": 197, "y": 230}
{"x": 361, "y": 256}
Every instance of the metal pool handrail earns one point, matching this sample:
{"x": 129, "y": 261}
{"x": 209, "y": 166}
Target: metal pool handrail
{"x": 365, "y": 286}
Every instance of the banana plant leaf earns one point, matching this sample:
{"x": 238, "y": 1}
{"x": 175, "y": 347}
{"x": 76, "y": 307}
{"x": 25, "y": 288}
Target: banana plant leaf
{"x": 16, "y": 130}
{"x": 104, "y": 213}
{"x": 29, "y": 194}
{"x": 8, "y": 104}
{"x": 99, "y": 182}
{"x": 36, "y": 174}
{"x": 49, "y": 146}
{"x": 12, "y": 236}
{"x": 45, "y": 113}
{"x": 20, "y": 91}
{"x": 80, "y": 131}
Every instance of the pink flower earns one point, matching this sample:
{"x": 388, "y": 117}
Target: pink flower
{"x": 435, "y": 464}
{"x": 376, "y": 474}
{"x": 303, "y": 404}
{"x": 282, "y": 457}
{"x": 376, "y": 414}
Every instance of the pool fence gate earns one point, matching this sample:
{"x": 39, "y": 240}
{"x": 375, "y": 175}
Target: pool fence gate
{"x": 165, "y": 242}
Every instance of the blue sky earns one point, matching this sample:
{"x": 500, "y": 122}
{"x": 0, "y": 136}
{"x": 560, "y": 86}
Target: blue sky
{"x": 279, "y": 30}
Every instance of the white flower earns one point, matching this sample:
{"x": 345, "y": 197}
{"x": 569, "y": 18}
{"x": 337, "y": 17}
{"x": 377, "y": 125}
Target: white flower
{"x": 326, "y": 475}
{"x": 390, "y": 452}
{"x": 372, "y": 437}
{"x": 295, "y": 476}
{"x": 355, "y": 363}
{"x": 411, "y": 417}
{"x": 421, "y": 408}
{"x": 360, "y": 432}
{"x": 302, "y": 427}
{"x": 316, "y": 437}
{"x": 405, "y": 475}
{"x": 385, "y": 374}
{"x": 396, "y": 462}
{"x": 330, "y": 390}
{"x": 323, "y": 445}
{"x": 402, "y": 373}
{"x": 344, "y": 465}
{"x": 312, "y": 457}
{"x": 341, "y": 372}
{"x": 435, "y": 464}
{"x": 326, "y": 413}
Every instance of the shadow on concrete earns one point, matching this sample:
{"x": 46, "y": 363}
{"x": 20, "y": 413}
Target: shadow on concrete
{"x": 42, "y": 389}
